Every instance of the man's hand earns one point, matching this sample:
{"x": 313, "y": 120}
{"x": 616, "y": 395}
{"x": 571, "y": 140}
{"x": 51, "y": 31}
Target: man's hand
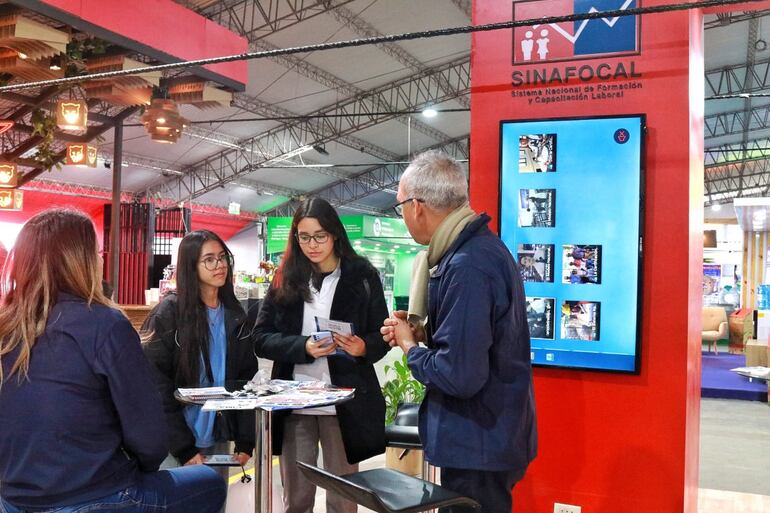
{"x": 323, "y": 347}
{"x": 388, "y": 328}
{"x": 353, "y": 345}
{"x": 403, "y": 335}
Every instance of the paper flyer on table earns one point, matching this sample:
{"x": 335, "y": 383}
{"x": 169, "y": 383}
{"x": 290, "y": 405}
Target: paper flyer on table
{"x": 203, "y": 393}
{"x": 757, "y": 372}
{"x": 229, "y": 404}
{"x": 304, "y": 398}
{"x": 343, "y": 328}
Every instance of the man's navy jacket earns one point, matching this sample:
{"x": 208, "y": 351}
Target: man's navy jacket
{"x": 479, "y": 409}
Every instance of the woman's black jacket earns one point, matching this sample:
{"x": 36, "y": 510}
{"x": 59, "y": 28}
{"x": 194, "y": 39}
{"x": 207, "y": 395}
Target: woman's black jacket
{"x": 358, "y": 299}
{"x": 163, "y": 352}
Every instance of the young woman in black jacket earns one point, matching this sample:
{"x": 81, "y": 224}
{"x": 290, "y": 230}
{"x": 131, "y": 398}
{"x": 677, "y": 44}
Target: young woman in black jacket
{"x": 321, "y": 276}
{"x": 197, "y": 337}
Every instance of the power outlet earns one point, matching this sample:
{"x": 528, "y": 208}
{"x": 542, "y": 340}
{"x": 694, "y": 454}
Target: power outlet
{"x": 565, "y": 508}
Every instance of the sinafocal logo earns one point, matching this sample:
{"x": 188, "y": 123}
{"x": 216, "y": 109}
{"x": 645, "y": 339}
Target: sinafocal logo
{"x": 584, "y": 39}
{"x": 377, "y": 227}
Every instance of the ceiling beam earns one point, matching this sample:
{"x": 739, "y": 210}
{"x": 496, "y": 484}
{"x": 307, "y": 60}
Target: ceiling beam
{"x": 411, "y": 93}
{"x": 728, "y": 18}
{"x": 752, "y": 149}
{"x": 748, "y": 77}
{"x": 92, "y": 133}
{"x": 736, "y": 122}
{"x": 370, "y": 181}
{"x": 316, "y": 74}
{"x": 255, "y": 19}
{"x": 464, "y": 6}
{"x": 725, "y": 182}
{"x": 363, "y": 29}
{"x": 255, "y": 106}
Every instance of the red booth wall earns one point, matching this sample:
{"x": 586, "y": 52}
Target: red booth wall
{"x": 616, "y": 442}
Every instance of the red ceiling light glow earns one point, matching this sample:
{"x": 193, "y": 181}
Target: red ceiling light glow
{"x": 5, "y": 125}
{"x": 72, "y": 114}
{"x": 9, "y": 176}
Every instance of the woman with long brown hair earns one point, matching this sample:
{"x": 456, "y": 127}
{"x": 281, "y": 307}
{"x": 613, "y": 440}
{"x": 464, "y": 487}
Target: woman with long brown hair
{"x": 322, "y": 276}
{"x": 82, "y": 424}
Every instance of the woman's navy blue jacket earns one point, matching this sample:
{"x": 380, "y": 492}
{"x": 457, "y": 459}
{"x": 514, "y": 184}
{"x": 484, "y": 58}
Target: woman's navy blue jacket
{"x": 87, "y": 420}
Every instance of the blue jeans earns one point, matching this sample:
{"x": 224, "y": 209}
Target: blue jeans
{"x": 193, "y": 489}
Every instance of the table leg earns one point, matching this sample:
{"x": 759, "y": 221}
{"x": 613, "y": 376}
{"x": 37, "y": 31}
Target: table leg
{"x": 263, "y": 473}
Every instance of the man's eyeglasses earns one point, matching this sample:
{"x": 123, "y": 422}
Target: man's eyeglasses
{"x": 211, "y": 263}
{"x": 398, "y": 208}
{"x": 319, "y": 238}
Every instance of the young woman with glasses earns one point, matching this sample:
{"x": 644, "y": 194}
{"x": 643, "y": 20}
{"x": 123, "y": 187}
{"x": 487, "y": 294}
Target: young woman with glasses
{"x": 81, "y": 424}
{"x": 321, "y": 276}
{"x": 197, "y": 337}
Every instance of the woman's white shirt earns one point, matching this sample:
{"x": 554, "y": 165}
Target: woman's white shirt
{"x": 320, "y": 305}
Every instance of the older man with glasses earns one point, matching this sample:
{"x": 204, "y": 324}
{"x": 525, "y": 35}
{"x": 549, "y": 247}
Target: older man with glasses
{"x": 467, "y": 305}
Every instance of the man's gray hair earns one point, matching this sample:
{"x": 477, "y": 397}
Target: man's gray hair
{"x": 437, "y": 179}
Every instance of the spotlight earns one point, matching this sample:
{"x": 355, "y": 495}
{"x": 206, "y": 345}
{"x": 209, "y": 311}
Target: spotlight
{"x": 430, "y": 112}
{"x": 55, "y": 64}
{"x": 716, "y": 207}
{"x": 320, "y": 149}
{"x": 23, "y": 55}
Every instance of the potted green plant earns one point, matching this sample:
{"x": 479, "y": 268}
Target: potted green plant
{"x": 402, "y": 388}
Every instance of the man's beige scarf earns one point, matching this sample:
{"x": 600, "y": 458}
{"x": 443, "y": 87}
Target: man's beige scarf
{"x": 426, "y": 261}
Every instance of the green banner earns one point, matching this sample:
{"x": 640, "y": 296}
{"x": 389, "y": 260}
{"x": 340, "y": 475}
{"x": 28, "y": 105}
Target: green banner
{"x": 358, "y": 227}
{"x": 384, "y": 227}
{"x": 278, "y": 229}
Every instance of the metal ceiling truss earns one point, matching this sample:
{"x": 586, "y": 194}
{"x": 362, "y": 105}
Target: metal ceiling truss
{"x": 255, "y": 106}
{"x": 346, "y": 192}
{"x": 736, "y": 179}
{"x": 278, "y": 144}
{"x": 91, "y": 133}
{"x": 728, "y": 18}
{"x": 464, "y": 6}
{"x": 255, "y": 19}
{"x": 736, "y": 122}
{"x": 739, "y": 78}
{"x": 394, "y": 50}
{"x": 749, "y": 82}
{"x": 302, "y": 67}
{"x": 737, "y": 152}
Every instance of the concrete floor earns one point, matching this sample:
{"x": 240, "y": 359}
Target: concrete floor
{"x": 734, "y": 461}
{"x": 735, "y": 446}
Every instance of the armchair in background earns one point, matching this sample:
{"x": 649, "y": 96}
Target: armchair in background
{"x": 714, "y": 326}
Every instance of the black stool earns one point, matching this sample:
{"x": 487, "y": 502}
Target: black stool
{"x": 386, "y": 490}
{"x": 403, "y": 434}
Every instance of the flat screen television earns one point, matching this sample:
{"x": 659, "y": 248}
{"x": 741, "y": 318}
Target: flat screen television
{"x": 571, "y": 213}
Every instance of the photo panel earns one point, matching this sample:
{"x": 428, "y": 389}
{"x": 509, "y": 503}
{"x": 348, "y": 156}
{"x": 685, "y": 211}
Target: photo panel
{"x": 537, "y": 208}
{"x": 581, "y": 264}
{"x": 580, "y": 260}
{"x": 537, "y": 153}
{"x": 535, "y": 262}
{"x": 580, "y": 320}
{"x": 540, "y": 317}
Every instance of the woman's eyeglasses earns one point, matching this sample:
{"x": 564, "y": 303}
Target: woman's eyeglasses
{"x": 211, "y": 263}
{"x": 319, "y": 238}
